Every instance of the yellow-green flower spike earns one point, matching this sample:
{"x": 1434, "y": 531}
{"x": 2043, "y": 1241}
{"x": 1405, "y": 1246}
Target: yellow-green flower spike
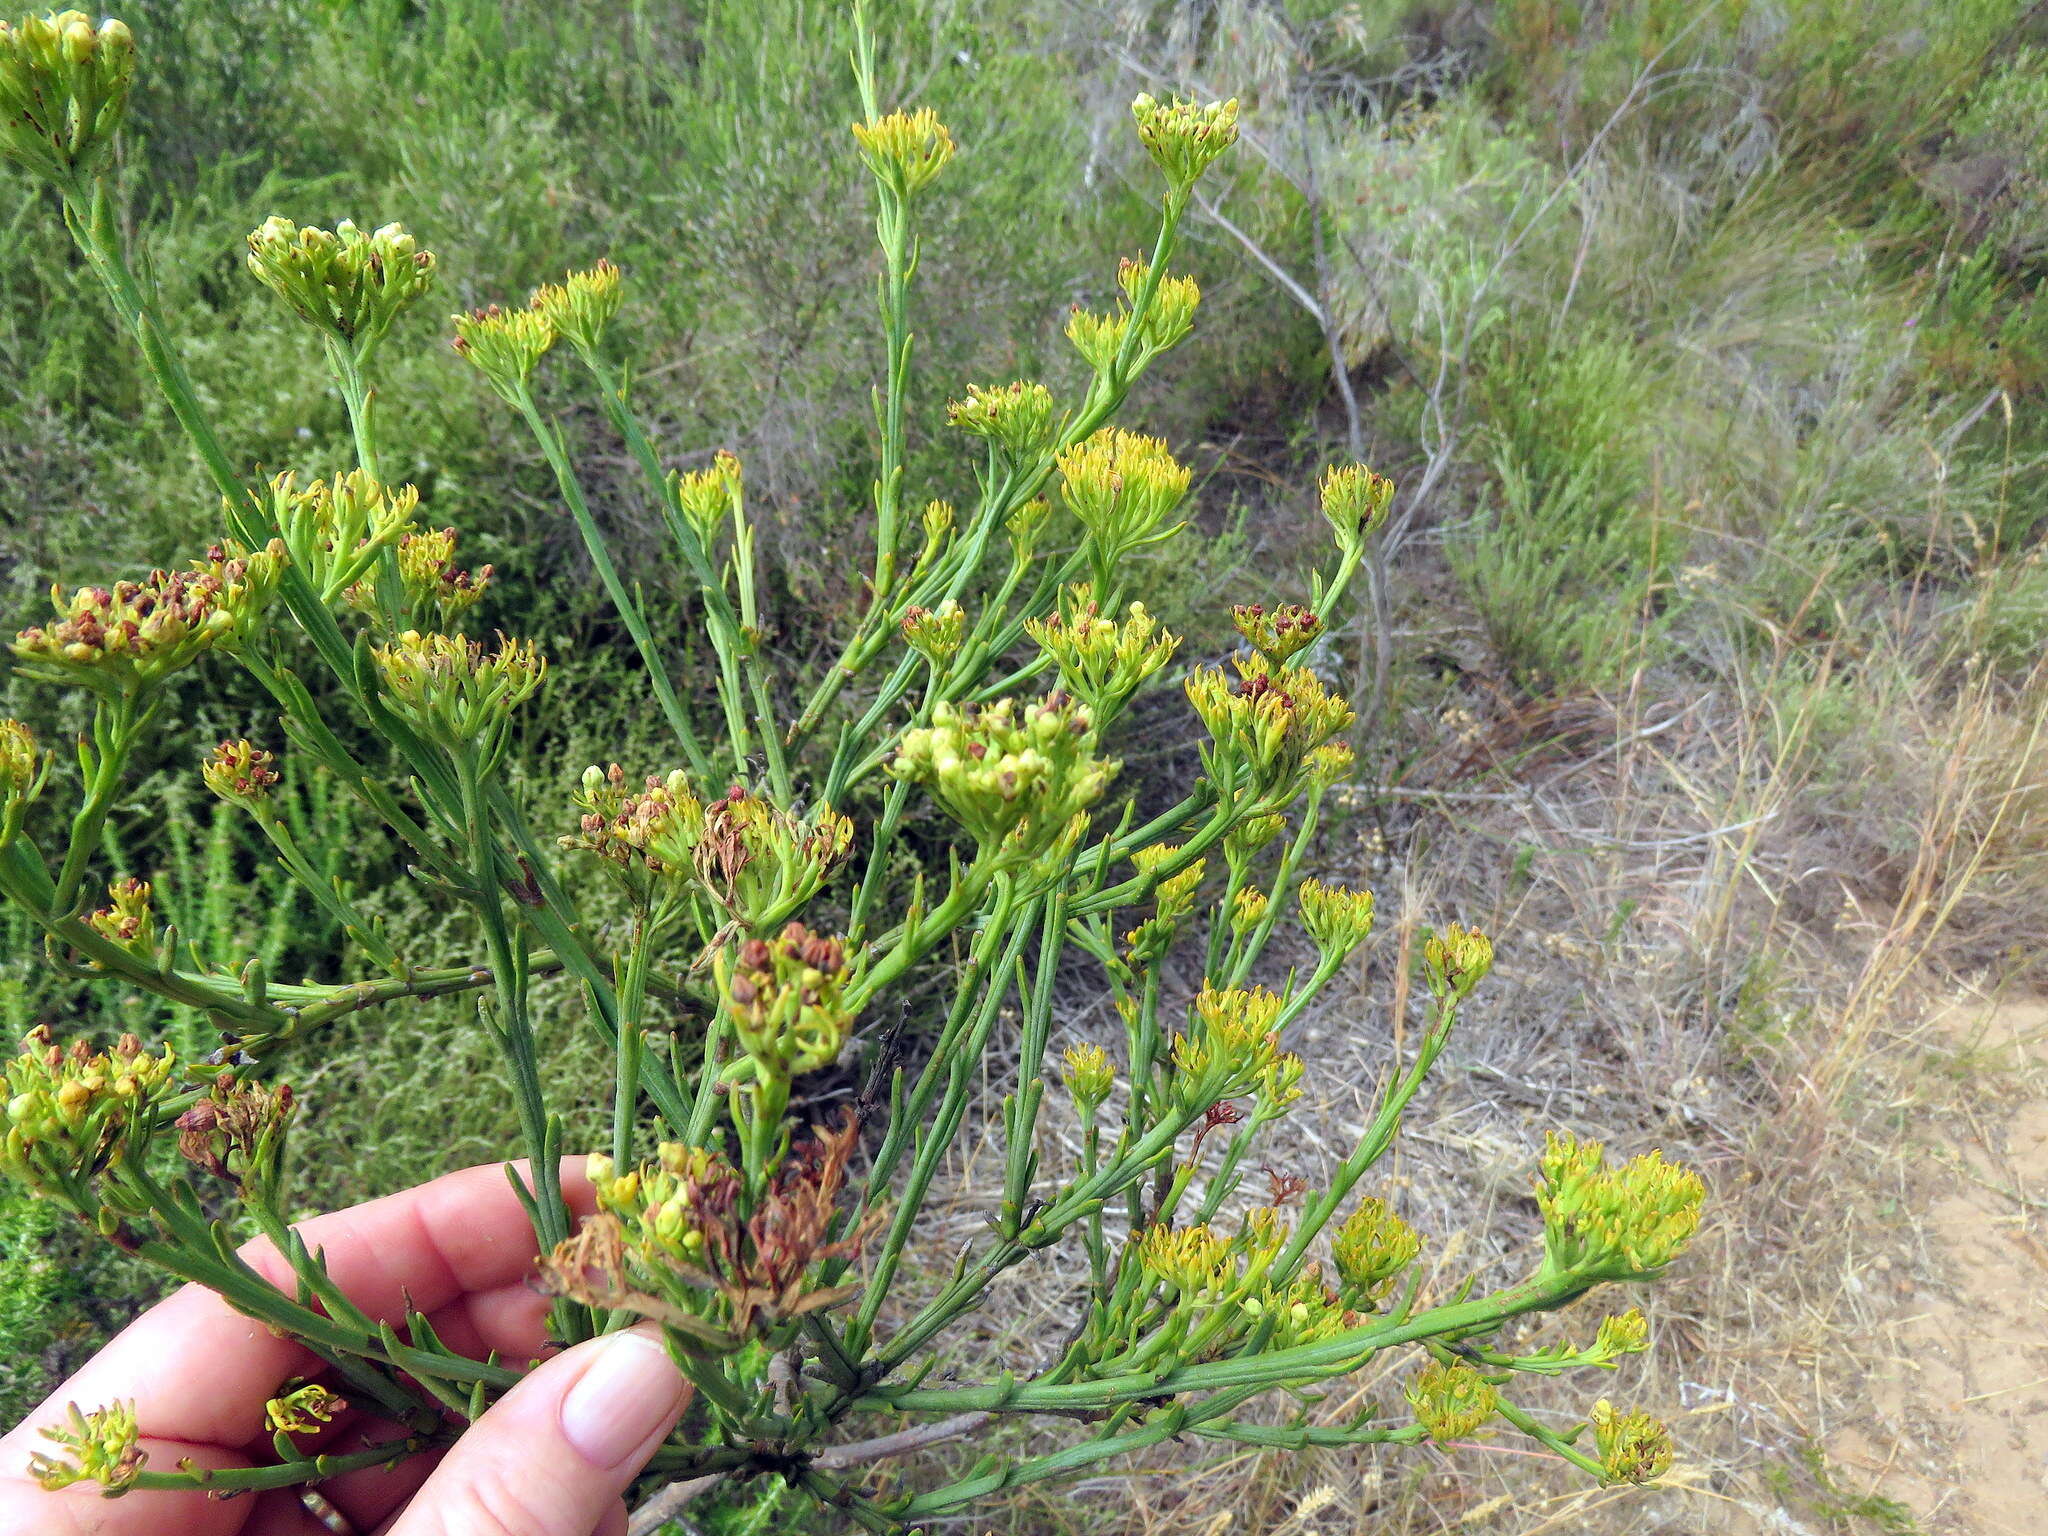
{"x": 337, "y": 529}
{"x": 1122, "y": 486}
{"x": 1266, "y": 719}
{"x": 128, "y": 919}
{"x": 1172, "y": 312}
{"x": 1276, "y": 634}
{"x": 1229, "y": 1043}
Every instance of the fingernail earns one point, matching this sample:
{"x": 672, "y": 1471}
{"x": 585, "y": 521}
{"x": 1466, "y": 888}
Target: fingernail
{"x": 631, "y": 1390}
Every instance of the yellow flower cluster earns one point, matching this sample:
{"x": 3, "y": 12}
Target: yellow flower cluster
{"x": 785, "y": 998}
{"x": 1007, "y": 767}
{"x": 1338, "y": 920}
{"x": 905, "y": 150}
{"x": 240, "y": 772}
{"x": 1451, "y": 1400}
{"x": 581, "y": 305}
{"x": 1267, "y": 720}
{"x": 1102, "y": 661}
{"x": 1122, "y": 486}
{"x": 504, "y": 345}
{"x": 1605, "y": 1223}
{"x": 1184, "y": 137}
{"x": 336, "y": 529}
{"x": 1232, "y": 1046}
{"x": 138, "y": 633}
{"x": 454, "y": 690}
{"x": 1372, "y": 1247}
{"x": 70, "y": 1112}
{"x": 102, "y": 1447}
{"x": 1017, "y": 417}
{"x": 1355, "y": 502}
{"x": 935, "y": 633}
{"x": 63, "y": 91}
{"x": 344, "y": 282}
{"x": 1633, "y": 1447}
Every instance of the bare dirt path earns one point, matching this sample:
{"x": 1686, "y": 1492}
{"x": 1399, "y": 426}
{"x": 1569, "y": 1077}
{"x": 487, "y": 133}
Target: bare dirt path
{"x": 1958, "y": 1424}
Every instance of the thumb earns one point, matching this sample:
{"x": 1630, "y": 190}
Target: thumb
{"x": 553, "y": 1457}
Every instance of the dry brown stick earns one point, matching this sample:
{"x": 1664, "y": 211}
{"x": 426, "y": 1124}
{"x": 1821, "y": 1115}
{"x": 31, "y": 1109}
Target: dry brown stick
{"x": 670, "y": 1502}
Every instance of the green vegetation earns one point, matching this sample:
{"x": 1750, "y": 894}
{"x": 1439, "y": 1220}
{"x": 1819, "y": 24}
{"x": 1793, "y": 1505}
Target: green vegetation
{"x": 1704, "y": 342}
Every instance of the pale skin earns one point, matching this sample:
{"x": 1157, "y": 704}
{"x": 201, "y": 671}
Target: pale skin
{"x": 554, "y": 1457}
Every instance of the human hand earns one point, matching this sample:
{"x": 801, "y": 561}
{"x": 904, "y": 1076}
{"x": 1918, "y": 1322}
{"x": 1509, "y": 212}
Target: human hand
{"x": 552, "y": 1458}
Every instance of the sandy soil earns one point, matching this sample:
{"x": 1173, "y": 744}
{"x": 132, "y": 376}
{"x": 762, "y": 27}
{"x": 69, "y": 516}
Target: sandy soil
{"x": 1958, "y": 1423}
